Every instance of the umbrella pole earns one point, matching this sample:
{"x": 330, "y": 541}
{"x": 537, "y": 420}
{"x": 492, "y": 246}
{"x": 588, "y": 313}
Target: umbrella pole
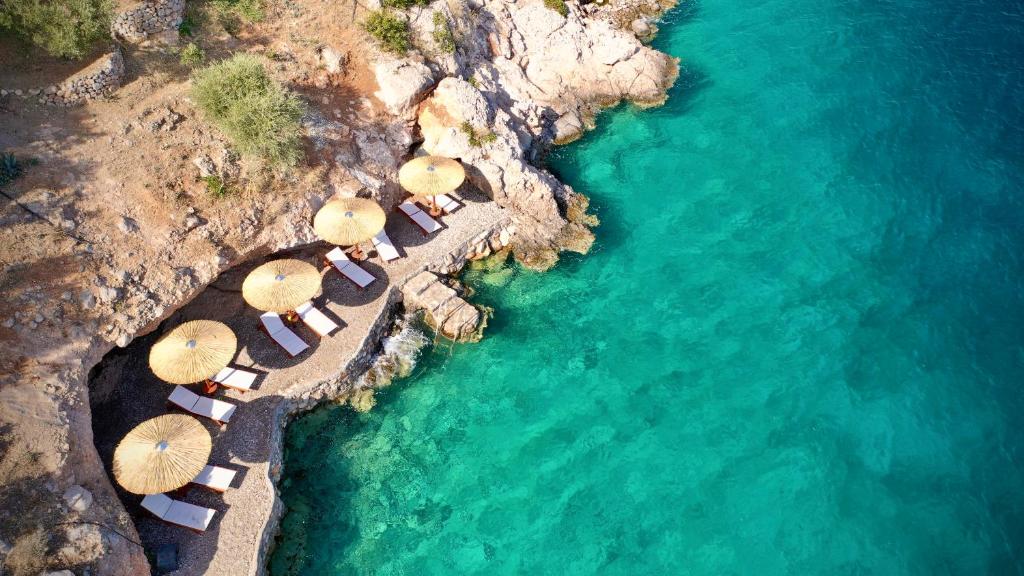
{"x": 435, "y": 210}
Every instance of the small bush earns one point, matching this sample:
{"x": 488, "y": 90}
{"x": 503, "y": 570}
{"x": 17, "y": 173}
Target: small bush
{"x": 189, "y": 23}
{"x": 246, "y": 10}
{"x": 216, "y": 186}
{"x": 443, "y": 34}
{"x": 390, "y": 31}
{"x": 192, "y": 55}
{"x": 472, "y": 82}
{"x": 65, "y": 29}
{"x": 558, "y": 6}
{"x": 476, "y": 139}
{"x": 10, "y": 168}
{"x": 403, "y": 4}
{"x": 256, "y": 113}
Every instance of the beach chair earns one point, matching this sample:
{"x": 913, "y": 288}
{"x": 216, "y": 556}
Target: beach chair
{"x": 216, "y": 410}
{"x": 215, "y": 478}
{"x": 446, "y": 203}
{"x": 348, "y": 268}
{"x": 275, "y": 328}
{"x": 235, "y": 378}
{"x": 180, "y": 513}
{"x": 316, "y": 320}
{"x": 385, "y": 248}
{"x": 419, "y": 217}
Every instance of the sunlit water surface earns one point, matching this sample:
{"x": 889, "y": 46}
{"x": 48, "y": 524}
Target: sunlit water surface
{"x": 795, "y": 349}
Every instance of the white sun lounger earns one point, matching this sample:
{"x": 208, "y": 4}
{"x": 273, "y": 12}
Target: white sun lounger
{"x": 419, "y": 217}
{"x": 446, "y": 203}
{"x": 188, "y": 400}
{"x": 235, "y": 378}
{"x": 316, "y": 320}
{"x": 385, "y": 247}
{"x": 281, "y": 334}
{"x": 349, "y": 269}
{"x": 176, "y": 512}
{"x": 215, "y": 478}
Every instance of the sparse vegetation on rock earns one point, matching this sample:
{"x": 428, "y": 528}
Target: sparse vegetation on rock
{"x": 443, "y": 34}
{"x": 390, "y": 31}
{"x": 558, "y": 6}
{"x": 477, "y": 139}
{"x": 216, "y": 187}
{"x": 65, "y": 29}
{"x": 403, "y": 4}
{"x": 258, "y": 115}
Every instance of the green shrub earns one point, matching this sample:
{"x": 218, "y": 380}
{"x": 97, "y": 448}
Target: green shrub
{"x": 189, "y": 23}
{"x": 65, "y": 29}
{"x": 477, "y": 139}
{"x": 390, "y": 31}
{"x": 558, "y": 6}
{"x": 10, "y": 168}
{"x": 247, "y": 10}
{"x": 192, "y": 55}
{"x": 472, "y": 82}
{"x": 403, "y": 4}
{"x": 256, "y": 113}
{"x": 443, "y": 34}
{"x": 216, "y": 186}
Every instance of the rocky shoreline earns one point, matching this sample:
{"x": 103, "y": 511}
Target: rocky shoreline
{"x": 523, "y": 78}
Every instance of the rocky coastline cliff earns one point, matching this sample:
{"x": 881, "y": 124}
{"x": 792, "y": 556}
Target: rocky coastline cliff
{"x": 104, "y": 246}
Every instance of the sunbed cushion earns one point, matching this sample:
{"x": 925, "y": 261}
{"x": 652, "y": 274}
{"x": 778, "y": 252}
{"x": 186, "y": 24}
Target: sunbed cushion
{"x": 316, "y": 319}
{"x": 158, "y": 504}
{"x": 421, "y": 218}
{"x": 214, "y": 409}
{"x": 283, "y": 335}
{"x": 236, "y": 378}
{"x": 183, "y": 397}
{"x": 447, "y": 203}
{"x": 215, "y": 477}
{"x": 272, "y": 321}
{"x": 350, "y": 269}
{"x": 189, "y": 515}
{"x": 385, "y": 247}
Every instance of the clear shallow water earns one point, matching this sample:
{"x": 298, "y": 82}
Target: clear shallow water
{"x": 796, "y": 348}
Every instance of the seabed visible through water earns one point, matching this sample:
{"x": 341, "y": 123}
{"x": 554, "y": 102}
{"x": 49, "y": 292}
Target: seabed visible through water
{"x": 795, "y": 348}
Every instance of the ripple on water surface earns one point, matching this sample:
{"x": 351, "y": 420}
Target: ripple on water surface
{"x": 795, "y": 349}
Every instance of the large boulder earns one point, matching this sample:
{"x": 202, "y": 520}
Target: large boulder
{"x": 402, "y": 84}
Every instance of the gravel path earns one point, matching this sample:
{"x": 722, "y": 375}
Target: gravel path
{"x": 124, "y": 391}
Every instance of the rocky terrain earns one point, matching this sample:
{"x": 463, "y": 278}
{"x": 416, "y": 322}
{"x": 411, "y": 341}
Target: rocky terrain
{"x": 111, "y": 229}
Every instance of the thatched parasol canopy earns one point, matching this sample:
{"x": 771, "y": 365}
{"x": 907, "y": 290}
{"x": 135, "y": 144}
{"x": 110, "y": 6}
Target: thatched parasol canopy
{"x": 349, "y": 221}
{"x": 431, "y": 175}
{"x": 192, "y": 352}
{"x": 161, "y": 454}
{"x": 281, "y": 285}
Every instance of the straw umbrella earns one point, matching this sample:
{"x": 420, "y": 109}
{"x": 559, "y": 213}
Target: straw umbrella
{"x": 161, "y": 454}
{"x": 193, "y": 352}
{"x": 428, "y": 176}
{"x": 349, "y": 221}
{"x": 281, "y": 286}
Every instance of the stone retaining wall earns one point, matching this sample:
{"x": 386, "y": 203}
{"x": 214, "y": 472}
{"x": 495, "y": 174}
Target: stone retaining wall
{"x": 99, "y": 79}
{"x": 148, "y": 18}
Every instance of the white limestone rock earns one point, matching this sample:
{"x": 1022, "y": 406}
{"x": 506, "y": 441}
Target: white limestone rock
{"x": 403, "y": 83}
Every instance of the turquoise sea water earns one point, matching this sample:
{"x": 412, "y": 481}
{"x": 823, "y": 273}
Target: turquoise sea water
{"x": 795, "y": 349}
